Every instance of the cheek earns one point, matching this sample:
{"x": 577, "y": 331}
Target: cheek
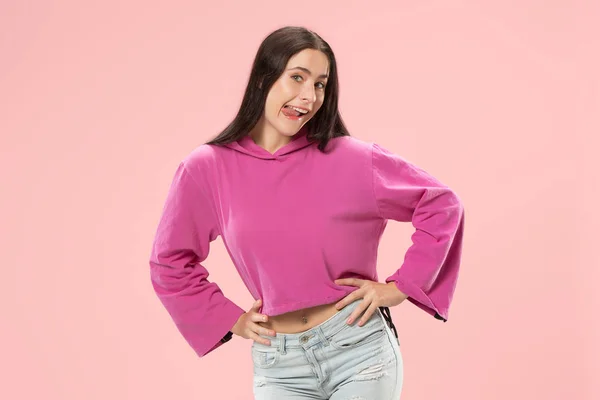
{"x": 277, "y": 97}
{"x": 272, "y": 104}
{"x": 288, "y": 88}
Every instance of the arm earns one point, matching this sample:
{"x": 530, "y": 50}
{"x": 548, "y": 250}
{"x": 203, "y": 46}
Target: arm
{"x": 188, "y": 224}
{"x": 406, "y": 193}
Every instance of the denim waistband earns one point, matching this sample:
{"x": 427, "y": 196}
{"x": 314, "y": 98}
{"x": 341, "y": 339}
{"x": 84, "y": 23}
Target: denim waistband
{"x": 318, "y": 333}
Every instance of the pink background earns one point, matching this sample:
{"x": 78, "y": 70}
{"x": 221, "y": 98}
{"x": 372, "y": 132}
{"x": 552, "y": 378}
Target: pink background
{"x": 101, "y": 100}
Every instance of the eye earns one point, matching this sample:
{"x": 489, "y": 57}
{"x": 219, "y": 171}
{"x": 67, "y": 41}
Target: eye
{"x": 318, "y": 83}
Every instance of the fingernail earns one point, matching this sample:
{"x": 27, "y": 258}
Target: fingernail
{"x": 349, "y": 320}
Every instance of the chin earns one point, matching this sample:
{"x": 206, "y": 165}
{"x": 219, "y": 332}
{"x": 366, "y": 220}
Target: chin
{"x": 287, "y": 132}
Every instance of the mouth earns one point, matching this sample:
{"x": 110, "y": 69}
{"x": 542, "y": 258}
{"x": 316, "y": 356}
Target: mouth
{"x": 294, "y": 113}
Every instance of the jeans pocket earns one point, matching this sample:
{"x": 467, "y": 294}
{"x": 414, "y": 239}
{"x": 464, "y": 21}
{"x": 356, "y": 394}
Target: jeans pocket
{"x": 267, "y": 357}
{"x": 351, "y": 336}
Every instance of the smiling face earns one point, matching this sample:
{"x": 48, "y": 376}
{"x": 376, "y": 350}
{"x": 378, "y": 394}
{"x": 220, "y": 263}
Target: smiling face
{"x": 302, "y": 84}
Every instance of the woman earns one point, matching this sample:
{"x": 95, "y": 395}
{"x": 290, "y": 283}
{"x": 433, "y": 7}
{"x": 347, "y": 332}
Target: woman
{"x": 301, "y": 206}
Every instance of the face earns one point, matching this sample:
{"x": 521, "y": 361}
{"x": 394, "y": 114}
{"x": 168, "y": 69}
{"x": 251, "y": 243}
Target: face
{"x": 302, "y": 84}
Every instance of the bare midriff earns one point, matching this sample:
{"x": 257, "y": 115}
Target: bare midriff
{"x": 300, "y": 320}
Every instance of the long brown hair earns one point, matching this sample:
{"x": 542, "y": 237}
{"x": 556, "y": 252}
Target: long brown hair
{"x": 270, "y": 61}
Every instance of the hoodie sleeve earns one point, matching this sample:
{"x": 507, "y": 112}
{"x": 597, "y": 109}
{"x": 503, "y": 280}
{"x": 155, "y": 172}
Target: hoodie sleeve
{"x": 406, "y": 193}
{"x": 186, "y": 227}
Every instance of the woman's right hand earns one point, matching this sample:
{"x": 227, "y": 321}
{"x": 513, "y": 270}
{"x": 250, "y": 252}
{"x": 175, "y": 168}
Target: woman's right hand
{"x": 247, "y": 325}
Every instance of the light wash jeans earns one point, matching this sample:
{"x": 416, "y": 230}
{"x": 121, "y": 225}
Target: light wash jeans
{"x": 333, "y": 361}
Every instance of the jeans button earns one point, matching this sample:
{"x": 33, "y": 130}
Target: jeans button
{"x": 303, "y": 339}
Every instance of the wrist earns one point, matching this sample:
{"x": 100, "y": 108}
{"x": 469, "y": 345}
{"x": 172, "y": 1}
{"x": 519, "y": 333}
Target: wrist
{"x": 393, "y": 283}
{"x": 235, "y": 329}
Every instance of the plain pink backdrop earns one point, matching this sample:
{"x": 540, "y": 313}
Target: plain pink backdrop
{"x": 99, "y": 101}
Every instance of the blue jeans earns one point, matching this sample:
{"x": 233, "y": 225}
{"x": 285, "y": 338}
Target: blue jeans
{"x": 331, "y": 361}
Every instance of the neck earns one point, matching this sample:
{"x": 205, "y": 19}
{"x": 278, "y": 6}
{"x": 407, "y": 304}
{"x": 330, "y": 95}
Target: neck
{"x": 268, "y": 138}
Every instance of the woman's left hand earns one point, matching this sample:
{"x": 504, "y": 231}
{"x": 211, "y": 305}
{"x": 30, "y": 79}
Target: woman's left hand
{"x": 375, "y": 295}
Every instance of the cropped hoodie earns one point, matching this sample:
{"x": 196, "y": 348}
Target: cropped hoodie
{"x": 293, "y": 222}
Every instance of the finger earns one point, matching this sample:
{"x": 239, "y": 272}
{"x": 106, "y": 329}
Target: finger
{"x": 262, "y": 330}
{"x": 367, "y": 315}
{"x": 258, "y": 317}
{"x": 360, "y": 308}
{"x": 348, "y": 299}
{"x": 349, "y": 281}
{"x": 256, "y": 305}
{"x": 259, "y": 330}
{"x": 254, "y": 311}
{"x": 259, "y": 339}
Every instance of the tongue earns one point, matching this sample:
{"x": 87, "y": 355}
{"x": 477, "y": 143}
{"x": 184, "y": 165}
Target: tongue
{"x": 290, "y": 112}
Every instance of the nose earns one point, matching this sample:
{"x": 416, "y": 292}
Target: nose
{"x": 308, "y": 93}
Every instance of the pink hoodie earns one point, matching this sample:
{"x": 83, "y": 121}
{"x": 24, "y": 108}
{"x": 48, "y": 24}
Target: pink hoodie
{"x": 293, "y": 222}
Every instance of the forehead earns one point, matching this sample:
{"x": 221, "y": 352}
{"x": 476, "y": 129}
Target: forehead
{"x": 314, "y": 60}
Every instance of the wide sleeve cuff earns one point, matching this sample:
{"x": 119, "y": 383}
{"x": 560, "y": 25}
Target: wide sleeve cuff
{"x": 420, "y": 299}
{"x": 221, "y": 324}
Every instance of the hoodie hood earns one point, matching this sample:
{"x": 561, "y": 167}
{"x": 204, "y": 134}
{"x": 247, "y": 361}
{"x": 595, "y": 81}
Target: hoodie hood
{"x": 247, "y": 146}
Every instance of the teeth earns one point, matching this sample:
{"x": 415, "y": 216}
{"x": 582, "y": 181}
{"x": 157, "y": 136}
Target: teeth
{"x": 299, "y": 110}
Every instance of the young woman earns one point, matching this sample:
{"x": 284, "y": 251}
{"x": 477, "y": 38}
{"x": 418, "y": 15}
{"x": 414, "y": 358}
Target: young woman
{"x": 301, "y": 206}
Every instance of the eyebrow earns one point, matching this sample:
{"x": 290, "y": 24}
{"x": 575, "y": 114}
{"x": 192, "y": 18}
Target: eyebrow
{"x": 308, "y": 71}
